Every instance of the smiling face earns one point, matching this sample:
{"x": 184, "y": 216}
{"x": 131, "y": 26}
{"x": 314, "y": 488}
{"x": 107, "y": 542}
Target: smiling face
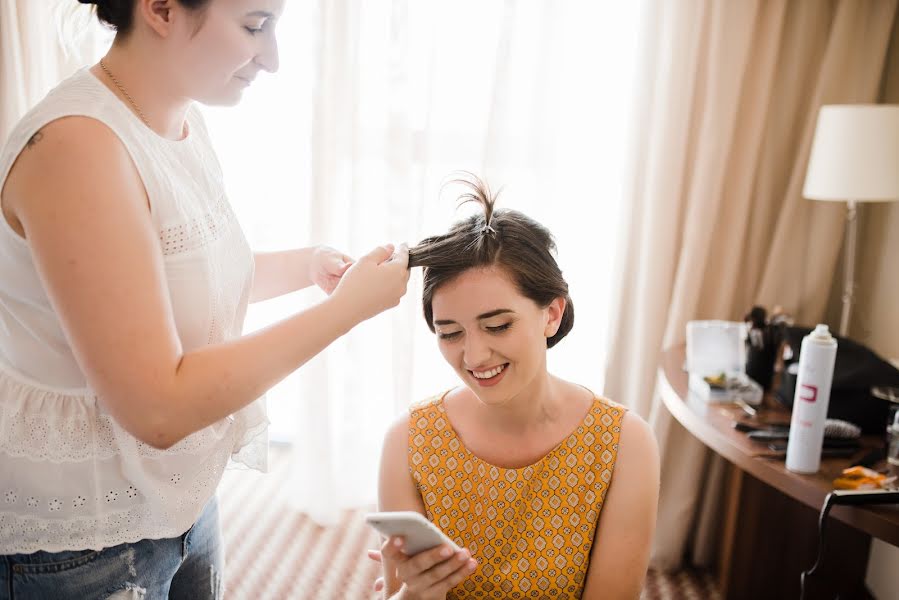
{"x": 492, "y": 335}
{"x": 221, "y": 48}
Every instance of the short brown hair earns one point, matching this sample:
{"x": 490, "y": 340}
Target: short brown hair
{"x": 502, "y": 238}
{"x": 119, "y": 14}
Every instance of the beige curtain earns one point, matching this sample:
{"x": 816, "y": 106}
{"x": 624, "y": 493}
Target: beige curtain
{"x": 395, "y": 99}
{"x": 730, "y": 92}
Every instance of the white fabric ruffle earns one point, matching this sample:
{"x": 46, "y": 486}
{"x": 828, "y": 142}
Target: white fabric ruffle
{"x": 72, "y": 478}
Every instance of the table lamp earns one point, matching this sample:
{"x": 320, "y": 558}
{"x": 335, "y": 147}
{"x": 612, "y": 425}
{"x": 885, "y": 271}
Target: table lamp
{"x": 854, "y": 158}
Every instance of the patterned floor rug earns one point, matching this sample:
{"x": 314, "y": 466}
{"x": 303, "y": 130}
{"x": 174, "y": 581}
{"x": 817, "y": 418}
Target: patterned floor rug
{"x": 275, "y": 553}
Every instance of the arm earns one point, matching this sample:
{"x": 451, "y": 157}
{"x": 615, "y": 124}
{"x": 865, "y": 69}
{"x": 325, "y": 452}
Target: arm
{"x": 279, "y": 273}
{"x": 621, "y": 544}
{"x": 97, "y": 253}
{"x": 396, "y": 490}
{"x": 429, "y": 574}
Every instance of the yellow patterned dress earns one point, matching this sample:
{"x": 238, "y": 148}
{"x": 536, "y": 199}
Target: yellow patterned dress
{"x": 531, "y": 529}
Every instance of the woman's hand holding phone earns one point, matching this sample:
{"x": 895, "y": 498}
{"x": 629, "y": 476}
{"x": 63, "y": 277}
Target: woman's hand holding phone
{"x": 430, "y": 574}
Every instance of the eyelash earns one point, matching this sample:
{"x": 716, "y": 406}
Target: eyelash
{"x": 495, "y": 330}
{"x": 254, "y": 31}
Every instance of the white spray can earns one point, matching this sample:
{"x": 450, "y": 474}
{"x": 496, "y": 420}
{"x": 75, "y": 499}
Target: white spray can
{"x": 816, "y": 359}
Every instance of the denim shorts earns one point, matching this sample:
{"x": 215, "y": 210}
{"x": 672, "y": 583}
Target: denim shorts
{"x": 189, "y": 566}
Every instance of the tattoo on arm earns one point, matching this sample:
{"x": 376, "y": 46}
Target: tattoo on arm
{"x": 38, "y": 136}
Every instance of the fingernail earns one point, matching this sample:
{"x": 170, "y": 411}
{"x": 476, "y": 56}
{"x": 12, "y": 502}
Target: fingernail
{"x": 472, "y": 564}
{"x": 446, "y": 552}
{"x": 463, "y": 555}
{"x": 397, "y": 542}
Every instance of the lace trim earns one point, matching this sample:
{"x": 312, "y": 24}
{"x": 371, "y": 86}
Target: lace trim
{"x": 24, "y": 535}
{"x": 252, "y": 448}
{"x": 100, "y": 438}
{"x": 152, "y": 517}
{"x": 94, "y": 506}
{"x": 45, "y": 424}
{"x": 199, "y": 231}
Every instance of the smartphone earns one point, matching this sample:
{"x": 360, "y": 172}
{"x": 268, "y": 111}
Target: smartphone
{"x": 762, "y": 435}
{"x": 419, "y": 533}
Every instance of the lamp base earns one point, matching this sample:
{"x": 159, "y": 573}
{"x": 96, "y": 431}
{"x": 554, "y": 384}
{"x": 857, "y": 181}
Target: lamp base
{"x": 849, "y": 266}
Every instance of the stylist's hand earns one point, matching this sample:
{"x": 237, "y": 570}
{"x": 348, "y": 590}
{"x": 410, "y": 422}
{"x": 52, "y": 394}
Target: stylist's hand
{"x": 375, "y": 282}
{"x": 327, "y": 267}
{"x": 430, "y": 574}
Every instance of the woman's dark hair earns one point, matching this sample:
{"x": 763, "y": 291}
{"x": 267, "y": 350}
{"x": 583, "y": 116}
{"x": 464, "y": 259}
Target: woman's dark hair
{"x": 119, "y": 14}
{"x": 502, "y": 238}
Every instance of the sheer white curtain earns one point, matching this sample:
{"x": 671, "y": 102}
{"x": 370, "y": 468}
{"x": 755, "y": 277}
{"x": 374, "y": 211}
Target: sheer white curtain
{"x": 41, "y": 43}
{"x": 375, "y": 103}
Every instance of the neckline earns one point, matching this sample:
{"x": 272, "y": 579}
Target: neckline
{"x": 449, "y": 425}
{"x": 131, "y": 114}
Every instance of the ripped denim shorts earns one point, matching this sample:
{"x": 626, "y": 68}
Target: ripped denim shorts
{"x": 189, "y": 566}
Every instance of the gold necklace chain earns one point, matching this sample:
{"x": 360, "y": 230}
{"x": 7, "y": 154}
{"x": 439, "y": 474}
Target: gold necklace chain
{"x": 124, "y": 93}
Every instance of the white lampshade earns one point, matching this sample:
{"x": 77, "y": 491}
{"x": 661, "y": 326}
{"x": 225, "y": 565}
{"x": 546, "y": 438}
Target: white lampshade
{"x": 855, "y": 154}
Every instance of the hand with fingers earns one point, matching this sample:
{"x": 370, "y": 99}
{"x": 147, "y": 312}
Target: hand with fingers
{"x": 430, "y": 574}
{"x": 378, "y": 585}
{"x": 375, "y": 282}
{"x": 327, "y": 267}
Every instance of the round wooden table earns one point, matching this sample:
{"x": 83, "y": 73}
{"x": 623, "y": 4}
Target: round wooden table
{"x": 770, "y": 523}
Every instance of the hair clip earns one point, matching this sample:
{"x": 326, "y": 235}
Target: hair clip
{"x": 488, "y": 229}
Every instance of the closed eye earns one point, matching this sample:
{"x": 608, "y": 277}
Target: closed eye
{"x": 263, "y": 25}
{"x": 495, "y": 329}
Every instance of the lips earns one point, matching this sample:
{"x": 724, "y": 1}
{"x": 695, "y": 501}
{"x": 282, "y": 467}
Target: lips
{"x": 489, "y": 377}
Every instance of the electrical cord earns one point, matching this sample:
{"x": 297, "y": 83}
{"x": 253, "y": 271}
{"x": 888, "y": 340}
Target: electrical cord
{"x": 843, "y": 498}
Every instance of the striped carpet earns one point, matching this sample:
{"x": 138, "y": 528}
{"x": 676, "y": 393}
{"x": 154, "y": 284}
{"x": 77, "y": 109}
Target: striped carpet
{"x": 273, "y": 552}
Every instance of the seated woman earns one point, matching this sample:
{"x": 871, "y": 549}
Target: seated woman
{"x": 550, "y": 490}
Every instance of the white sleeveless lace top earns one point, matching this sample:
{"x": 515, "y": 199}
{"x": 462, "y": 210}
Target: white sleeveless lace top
{"x": 72, "y": 478}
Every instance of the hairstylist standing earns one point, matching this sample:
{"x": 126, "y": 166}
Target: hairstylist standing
{"x": 125, "y": 383}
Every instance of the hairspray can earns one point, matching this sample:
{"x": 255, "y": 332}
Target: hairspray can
{"x": 816, "y": 359}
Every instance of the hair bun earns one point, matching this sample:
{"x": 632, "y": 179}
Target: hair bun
{"x": 117, "y": 14}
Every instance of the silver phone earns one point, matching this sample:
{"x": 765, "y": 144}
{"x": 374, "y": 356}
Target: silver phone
{"x": 419, "y": 533}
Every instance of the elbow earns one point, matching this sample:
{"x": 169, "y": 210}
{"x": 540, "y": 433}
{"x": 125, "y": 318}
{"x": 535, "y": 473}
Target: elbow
{"x": 160, "y": 431}
{"x": 160, "y": 440}
{"x": 154, "y": 427}
{"x": 150, "y": 409}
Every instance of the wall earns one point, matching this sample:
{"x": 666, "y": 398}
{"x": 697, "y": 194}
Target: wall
{"x": 875, "y": 323}
{"x": 875, "y": 317}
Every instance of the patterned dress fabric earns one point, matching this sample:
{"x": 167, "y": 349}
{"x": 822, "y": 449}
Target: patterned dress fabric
{"x": 531, "y": 529}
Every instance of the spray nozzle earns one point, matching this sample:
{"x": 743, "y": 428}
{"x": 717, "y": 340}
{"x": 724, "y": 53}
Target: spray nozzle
{"x": 822, "y": 333}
